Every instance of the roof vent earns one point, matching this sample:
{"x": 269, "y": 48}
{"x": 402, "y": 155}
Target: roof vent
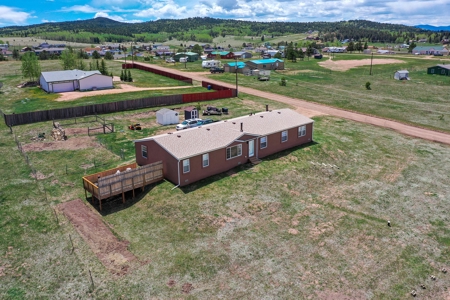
{"x": 234, "y": 122}
{"x": 178, "y": 135}
{"x": 261, "y": 116}
{"x": 170, "y": 133}
{"x": 208, "y": 129}
{"x": 279, "y": 112}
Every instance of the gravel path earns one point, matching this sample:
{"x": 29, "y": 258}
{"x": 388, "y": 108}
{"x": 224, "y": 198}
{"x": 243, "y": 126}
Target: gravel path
{"x": 413, "y": 131}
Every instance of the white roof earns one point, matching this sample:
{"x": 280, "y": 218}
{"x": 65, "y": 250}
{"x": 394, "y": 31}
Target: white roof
{"x": 191, "y": 142}
{"x": 165, "y": 110}
{"x": 68, "y": 75}
{"x": 403, "y": 71}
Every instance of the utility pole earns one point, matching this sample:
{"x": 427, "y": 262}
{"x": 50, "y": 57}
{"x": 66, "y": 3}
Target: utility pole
{"x": 371, "y": 59}
{"x": 236, "y": 68}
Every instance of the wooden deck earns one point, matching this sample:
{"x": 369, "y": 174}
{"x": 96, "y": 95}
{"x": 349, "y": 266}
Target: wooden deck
{"x": 120, "y": 180}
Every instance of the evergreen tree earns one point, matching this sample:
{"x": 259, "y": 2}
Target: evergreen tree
{"x": 262, "y": 38}
{"x": 121, "y": 75}
{"x": 103, "y": 69}
{"x": 411, "y": 47}
{"x": 16, "y": 54}
{"x": 109, "y": 55}
{"x": 366, "y": 46}
{"x": 97, "y": 65}
{"x": 95, "y": 55}
{"x": 351, "y": 47}
{"x": 90, "y": 66}
{"x": 130, "y": 79}
{"x": 300, "y": 54}
{"x": 290, "y": 52}
{"x": 81, "y": 65}
{"x": 125, "y": 76}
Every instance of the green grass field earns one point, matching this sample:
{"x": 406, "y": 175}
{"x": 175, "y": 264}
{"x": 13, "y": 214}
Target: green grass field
{"x": 421, "y": 101}
{"x": 310, "y": 221}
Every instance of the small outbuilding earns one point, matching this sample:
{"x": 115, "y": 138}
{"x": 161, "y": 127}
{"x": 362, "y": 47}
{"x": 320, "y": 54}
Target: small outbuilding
{"x": 71, "y": 80}
{"x": 401, "y": 75}
{"x": 190, "y": 113}
{"x": 190, "y": 56}
{"x": 167, "y": 116}
{"x": 439, "y": 70}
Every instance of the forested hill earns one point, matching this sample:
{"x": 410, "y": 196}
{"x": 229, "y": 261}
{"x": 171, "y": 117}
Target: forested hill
{"x": 205, "y": 29}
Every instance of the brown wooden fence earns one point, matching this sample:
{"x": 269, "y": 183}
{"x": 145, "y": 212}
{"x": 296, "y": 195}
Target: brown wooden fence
{"x": 79, "y": 111}
{"x": 221, "y": 92}
{"x": 157, "y": 71}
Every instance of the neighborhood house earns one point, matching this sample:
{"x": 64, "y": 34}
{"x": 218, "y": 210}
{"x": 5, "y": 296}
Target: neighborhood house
{"x": 197, "y": 153}
{"x": 71, "y": 80}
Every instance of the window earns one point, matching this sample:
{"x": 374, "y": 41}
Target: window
{"x": 144, "y": 151}
{"x": 263, "y": 142}
{"x": 442, "y": 72}
{"x": 284, "y": 136}
{"x": 205, "y": 160}
{"x": 432, "y": 71}
{"x": 186, "y": 166}
{"x": 234, "y": 151}
{"x": 302, "y": 131}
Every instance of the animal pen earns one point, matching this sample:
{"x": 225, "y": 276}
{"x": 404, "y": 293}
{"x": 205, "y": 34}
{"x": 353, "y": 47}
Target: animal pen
{"x": 120, "y": 180}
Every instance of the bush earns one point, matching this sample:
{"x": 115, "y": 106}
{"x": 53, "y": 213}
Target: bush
{"x": 368, "y": 85}
{"x": 283, "y": 81}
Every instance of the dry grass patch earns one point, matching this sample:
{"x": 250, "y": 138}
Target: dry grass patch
{"x": 345, "y": 65}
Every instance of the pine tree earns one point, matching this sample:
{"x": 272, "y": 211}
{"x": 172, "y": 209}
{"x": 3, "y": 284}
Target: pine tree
{"x": 121, "y": 75}
{"x": 125, "y": 76}
{"x": 130, "y": 79}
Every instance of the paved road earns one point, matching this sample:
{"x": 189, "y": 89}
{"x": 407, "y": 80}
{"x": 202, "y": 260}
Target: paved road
{"x": 413, "y": 131}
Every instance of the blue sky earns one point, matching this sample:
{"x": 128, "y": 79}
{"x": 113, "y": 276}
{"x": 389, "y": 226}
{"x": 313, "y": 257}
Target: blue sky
{"x": 408, "y": 12}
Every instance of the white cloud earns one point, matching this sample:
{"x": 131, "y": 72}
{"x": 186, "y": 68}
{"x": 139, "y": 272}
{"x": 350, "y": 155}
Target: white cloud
{"x": 10, "y": 15}
{"x": 115, "y": 18}
{"x": 166, "y": 9}
{"x": 81, "y": 8}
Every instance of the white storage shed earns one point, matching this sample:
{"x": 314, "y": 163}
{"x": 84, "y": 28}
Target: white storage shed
{"x": 401, "y": 75}
{"x": 167, "y": 116}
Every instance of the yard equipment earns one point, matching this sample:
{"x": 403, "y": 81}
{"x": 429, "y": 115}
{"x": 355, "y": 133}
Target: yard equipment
{"x": 211, "y": 110}
{"x": 136, "y": 126}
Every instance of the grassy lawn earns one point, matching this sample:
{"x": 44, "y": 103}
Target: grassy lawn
{"x": 310, "y": 221}
{"x": 19, "y": 100}
{"x": 422, "y": 101}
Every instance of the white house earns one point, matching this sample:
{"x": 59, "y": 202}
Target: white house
{"x": 401, "y": 75}
{"x": 71, "y": 80}
{"x": 167, "y": 116}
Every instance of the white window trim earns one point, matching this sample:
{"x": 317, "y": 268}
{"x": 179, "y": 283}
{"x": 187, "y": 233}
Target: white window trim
{"x": 260, "y": 142}
{"x": 287, "y": 136}
{"x": 203, "y": 160}
{"x": 188, "y": 165}
{"x": 239, "y": 152}
{"x": 142, "y": 151}
{"x": 302, "y": 131}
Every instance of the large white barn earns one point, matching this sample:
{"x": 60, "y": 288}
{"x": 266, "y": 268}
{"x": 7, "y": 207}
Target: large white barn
{"x": 71, "y": 80}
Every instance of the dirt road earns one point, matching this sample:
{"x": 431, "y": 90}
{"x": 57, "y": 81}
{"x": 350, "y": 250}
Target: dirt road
{"x": 323, "y": 109}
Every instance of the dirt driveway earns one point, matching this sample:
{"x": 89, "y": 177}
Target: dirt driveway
{"x": 123, "y": 88}
{"x": 319, "y": 109}
{"x": 344, "y": 65}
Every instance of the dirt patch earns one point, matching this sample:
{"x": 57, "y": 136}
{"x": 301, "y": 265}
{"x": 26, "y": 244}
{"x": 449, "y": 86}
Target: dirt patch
{"x": 331, "y": 295}
{"x": 112, "y": 253}
{"x": 73, "y": 143}
{"x": 74, "y": 131}
{"x": 345, "y": 65}
{"x": 187, "y": 288}
{"x": 122, "y": 88}
{"x": 40, "y": 176}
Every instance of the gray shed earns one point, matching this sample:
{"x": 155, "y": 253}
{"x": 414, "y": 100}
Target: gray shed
{"x": 401, "y": 75}
{"x": 167, "y": 116}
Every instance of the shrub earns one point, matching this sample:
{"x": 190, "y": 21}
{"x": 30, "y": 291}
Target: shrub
{"x": 368, "y": 85}
{"x": 283, "y": 81}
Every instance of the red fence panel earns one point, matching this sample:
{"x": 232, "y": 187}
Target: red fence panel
{"x": 198, "y": 97}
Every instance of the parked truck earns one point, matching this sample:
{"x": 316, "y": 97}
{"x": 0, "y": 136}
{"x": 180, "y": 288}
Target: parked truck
{"x": 216, "y": 70}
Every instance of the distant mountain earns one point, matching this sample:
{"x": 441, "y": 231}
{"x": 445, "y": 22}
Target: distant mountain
{"x": 433, "y": 28}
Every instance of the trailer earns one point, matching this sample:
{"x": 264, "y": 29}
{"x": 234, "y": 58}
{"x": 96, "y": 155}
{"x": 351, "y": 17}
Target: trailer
{"x": 211, "y": 63}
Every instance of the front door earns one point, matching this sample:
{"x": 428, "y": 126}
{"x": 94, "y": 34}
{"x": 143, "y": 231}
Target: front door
{"x": 251, "y": 148}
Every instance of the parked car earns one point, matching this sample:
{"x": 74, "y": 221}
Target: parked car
{"x": 214, "y": 70}
{"x": 204, "y": 122}
{"x": 211, "y": 110}
{"x": 189, "y": 123}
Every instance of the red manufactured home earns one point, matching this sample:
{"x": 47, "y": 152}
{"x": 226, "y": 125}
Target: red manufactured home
{"x": 197, "y": 153}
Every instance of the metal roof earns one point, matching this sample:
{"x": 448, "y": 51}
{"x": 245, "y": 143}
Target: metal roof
{"x": 425, "y": 48}
{"x": 68, "y": 75}
{"x": 191, "y": 142}
{"x": 240, "y": 64}
{"x": 266, "y": 61}
{"x": 444, "y": 66}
